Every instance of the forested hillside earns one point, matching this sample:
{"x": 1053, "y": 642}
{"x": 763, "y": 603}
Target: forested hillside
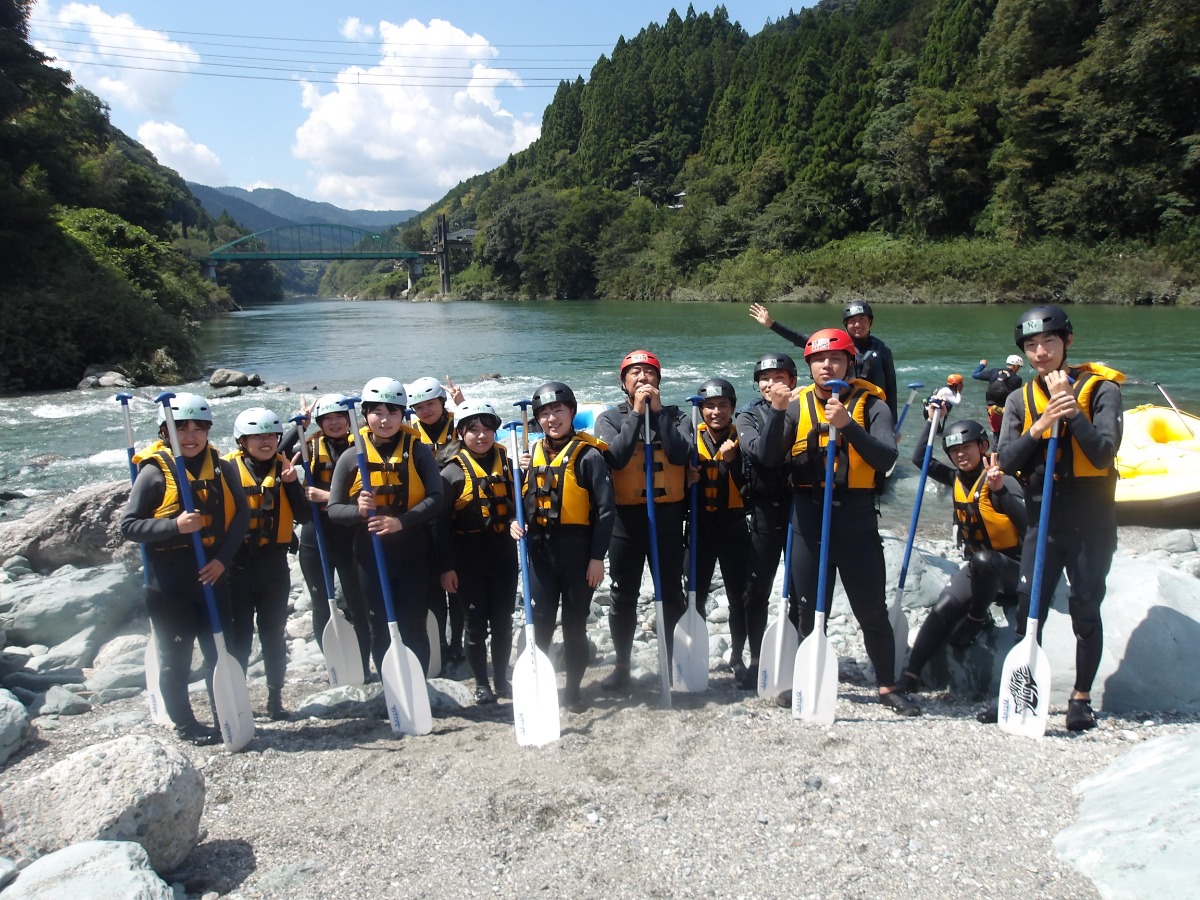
{"x": 100, "y": 245}
{"x": 916, "y": 149}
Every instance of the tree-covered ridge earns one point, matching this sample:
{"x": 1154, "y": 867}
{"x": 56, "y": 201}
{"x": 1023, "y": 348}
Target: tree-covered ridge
{"x": 903, "y": 122}
{"x": 102, "y": 245}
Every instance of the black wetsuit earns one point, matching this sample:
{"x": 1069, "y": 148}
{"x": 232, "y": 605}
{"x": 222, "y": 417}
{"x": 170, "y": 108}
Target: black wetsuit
{"x": 873, "y": 361}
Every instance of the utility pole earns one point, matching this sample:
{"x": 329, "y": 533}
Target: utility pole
{"x": 441, "y": 247}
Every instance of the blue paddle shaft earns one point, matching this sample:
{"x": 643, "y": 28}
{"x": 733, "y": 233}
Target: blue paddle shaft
{"x": 519, "y": 503}
{"x": 916, "y": 513}
{"x": 827, "y": 503}
{"x": 694, "y": 512}
{"x": 318, "y": 527}
{"x": 183, "y": 480}
{"x": 364, "y": 475}
{"x": 650, "y": 510}
{"x": 1039, "y": 559}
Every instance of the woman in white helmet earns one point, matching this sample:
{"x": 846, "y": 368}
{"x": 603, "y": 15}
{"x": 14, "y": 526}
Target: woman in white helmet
{"x": 261, "y": 581}
{"x": 398, "y": 506}
{"x": 477, "y": 556}
{"x": 155, "y": 517}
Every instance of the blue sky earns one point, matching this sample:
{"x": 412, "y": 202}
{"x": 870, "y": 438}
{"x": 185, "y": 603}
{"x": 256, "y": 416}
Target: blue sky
{"x": 364, "y": 104}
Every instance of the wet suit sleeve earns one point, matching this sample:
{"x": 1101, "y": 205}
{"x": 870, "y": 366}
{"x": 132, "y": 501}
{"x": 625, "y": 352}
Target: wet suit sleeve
{"x": 592, "y": 472}
{"x": 889, "y": 377}
{"x": 622, "y": 431}
{"x": 1100, "y": 436}
{"x": 241, "y": 515}
{"x": 778, "y": 435}
{"x": 675, "y": 429}
{"x": 875, "y": 443}
{"x": 342, "y": 508}
{"x": 938, "y": 470}
{"x": 789, "y": 334}
{"x": 1016, "y": 447}
{"x": 452, "y": 483}
{"x": 980, "y": 374}
{"x": 138, "y": 522}
{"x": 289, "y": 441}
{"x": 1011, "y": 502}
{"x": 301, "y": 508}
{"x": 423, "y": 513}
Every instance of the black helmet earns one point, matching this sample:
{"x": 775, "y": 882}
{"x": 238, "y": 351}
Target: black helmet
{"x": 717, "y": 387}
{"x": 774, "y": 361}
{"x": 857, "y": 308}
{"x": 554, "y": 392}
{"x": 1040, "y": 320}
{"x": 963, "y": 432}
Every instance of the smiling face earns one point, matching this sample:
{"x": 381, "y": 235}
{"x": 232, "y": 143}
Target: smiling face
{"x": 260, "y": 446}
{"x": 858, "y": 326}
{"x": 384, "y": 419}
{"x": 774, "y": 376}
{"x": 192, "y": 434}
{"x": 335, "y": 425}
{"x": 478, "y": 437}
{"x": 717, "y": 413}
{"x": 1047, "y": 352}
{"x": 967, "y": 457}
{"x": 556, "y": 420}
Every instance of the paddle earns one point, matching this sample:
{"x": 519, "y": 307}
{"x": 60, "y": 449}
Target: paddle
{"x": 896, "y": 615}
{"x": 158, "y": 711}
{"x": 339, "y": 641}
{"x": 690, "y": 659}
{"x": 1024, "y": 704}
{"x": 1182, "y": 419}
{"x": 404, "y": 688}
{"x": 433, "y": 628}
{"x": 913, "y": 387}
{"x": 534, "y": 684}
{"x": 659, "y": 623}
{"x": 231, "y": 698}
{"x": 814, "y": 676}
{"x": 781, "y": 640}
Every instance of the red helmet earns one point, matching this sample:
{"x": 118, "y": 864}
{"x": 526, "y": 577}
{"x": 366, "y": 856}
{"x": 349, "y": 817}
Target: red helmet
{"x": 829, "y": 339}
{"x": 640, "y": 357}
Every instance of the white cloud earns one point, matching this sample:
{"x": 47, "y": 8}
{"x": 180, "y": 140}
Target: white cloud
{"x": 354, "y": 29}
{"x": 172, "y": 146}
{"x": 123, "y": 63}
{"x": 400, "y": 133}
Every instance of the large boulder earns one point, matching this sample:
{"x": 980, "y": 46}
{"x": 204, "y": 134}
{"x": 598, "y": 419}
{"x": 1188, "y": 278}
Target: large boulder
{"x": 134, "y": 788}
{"x": 14, "y": 724}
{"x": 79, "y": 529}
{"x": 54, "y": 609}
{"x": 92, "y": 870}
{"x": 233, "y": 378}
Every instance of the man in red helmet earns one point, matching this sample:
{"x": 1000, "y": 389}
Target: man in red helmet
{"x": 671, "y": 437}
{"x": 866, "y": 450}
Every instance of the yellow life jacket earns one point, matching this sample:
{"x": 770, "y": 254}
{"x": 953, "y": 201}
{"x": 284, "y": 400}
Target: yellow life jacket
{"x": 980, "y": 524}
{"x": 321, "y": 461}
{"x": 629, "y": 483}
{"x": 851, "y": 471}
{"x": 443, "y": 432}
{"x": 1071, "y": 461}
{"x": 210, "y": 494}
{"x": 484, "y": 504}
{"x": 395, "y": 483}
{"x": 718, "y": 490}
{"x": 271, "y": 518}
{"x": 559, "y": 498}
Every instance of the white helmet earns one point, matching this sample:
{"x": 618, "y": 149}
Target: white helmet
{"x": 427, "y": 388}
{"x": 256, "y": 420}
{"x": 384, "y": 390}
{"x": 328, "y": 403}
{"x": 471, "y": 409}
{"x": 1014, "y": 360}
{"x": 187, "y": 408}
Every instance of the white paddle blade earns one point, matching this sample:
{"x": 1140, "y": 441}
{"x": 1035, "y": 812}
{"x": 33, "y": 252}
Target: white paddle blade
{"x": 814, "y": 679}
{"x": 235, "y": 716}
{"x": 664, "y": 666}
{"x": 777, "y": 658}
{"x": 339, "y": 644}
{"x": 899, "y": 623}
{"x": 404, "y": 689}
{"x": 158, "y": 711}
{"x": 435, "y": 645}
{"x": 535, "y": 698}
{"x": 690, "y": 661}
{"x": 1023, "y": 707}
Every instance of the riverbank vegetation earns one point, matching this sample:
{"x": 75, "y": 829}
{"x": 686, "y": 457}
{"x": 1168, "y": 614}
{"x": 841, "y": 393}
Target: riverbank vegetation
{"x": 907, "y": 150}
{"x": 101, "y": 245}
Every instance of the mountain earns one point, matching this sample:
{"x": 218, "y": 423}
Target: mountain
{"x": 309, "y": 212}
{"x": 244, "y": 212}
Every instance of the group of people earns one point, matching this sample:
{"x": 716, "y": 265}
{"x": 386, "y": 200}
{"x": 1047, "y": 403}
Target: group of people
{"x": 439, "y": 496}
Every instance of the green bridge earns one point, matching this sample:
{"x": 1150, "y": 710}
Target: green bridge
{"x": 314, "y": 242}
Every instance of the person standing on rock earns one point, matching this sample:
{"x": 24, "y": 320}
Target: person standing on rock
{"x": 1084, "y": 401}
{"x": 325, "y": 448}
{"x": 866, "y": 450}
{"x": 722, "y": 534}
{"x": 1000, "y": 383}
{"x": 156, "y": 518}
{"x": 261, "y": 580}
{"x": 478, "y": 560}
{"x": 569, "y": 512}
{"x": 622, "y": 430}
{"x": 989, "y": 513}
{"x": 398, "y": 506}
{"x": 759, "y": 427}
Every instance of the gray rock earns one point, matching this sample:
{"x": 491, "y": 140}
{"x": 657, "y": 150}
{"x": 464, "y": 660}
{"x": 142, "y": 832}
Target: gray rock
{"x": 225, "y": 393}
{"x": 345, "y": 702}
{"x": 91, "y": 870}
{"x": 14, "y": 725}
{"x": 139, "y": 789}
{"x": 15, "y": 562}
{"x": 58, "y": 701}
{"x": 54, "y": 609}
{"x": 82, "y": 528}
{"x": 233, "y": 378}
{"x": 118, "y": 677}
{"x": 449, "y": 696}
{"x": 74, "y": 653}
{"x": 124, "y": 649}
{"x": 1179, "y": 541}
{"x": 8, "y": 871}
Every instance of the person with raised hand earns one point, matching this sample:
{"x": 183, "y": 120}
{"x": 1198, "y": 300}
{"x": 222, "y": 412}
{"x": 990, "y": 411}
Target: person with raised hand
{"x": 570, "y": 511}
{"x": 1084, "y": 402}
{"x": 622, "y": 430}
{"x": 261, "y": 581}
{"x": 398, "y": 506}
{"x": 155, "y": 517}
{"x": 990, "y": 516}
{"x": 478, "y": 559}
{"x": 1001, "y": 382}
{"x": 865, "y": 451}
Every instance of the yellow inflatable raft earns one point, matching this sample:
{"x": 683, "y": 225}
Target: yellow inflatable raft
{"x": 1158, "y": 466}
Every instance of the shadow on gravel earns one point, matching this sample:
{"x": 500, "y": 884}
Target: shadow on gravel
{"x": 219, "y": 866}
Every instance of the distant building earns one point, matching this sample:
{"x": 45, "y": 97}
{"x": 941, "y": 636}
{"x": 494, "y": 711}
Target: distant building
{"x": 463, "y": 235}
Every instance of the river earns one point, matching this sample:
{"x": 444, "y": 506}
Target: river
{"x": 53, "y": 442}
